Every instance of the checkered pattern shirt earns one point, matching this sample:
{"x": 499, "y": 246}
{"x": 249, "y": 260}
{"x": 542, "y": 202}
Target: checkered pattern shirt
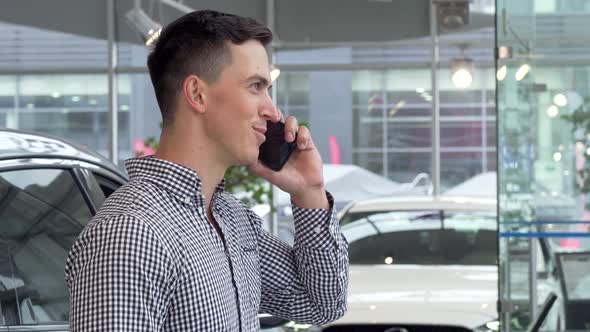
{"x": 150, "y": 261}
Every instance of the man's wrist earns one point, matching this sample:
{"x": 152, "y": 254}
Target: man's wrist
{"x": 311, "y": 199}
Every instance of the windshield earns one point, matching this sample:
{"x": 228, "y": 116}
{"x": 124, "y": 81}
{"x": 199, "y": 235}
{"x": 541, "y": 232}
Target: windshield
{"x": 421, "y": 237}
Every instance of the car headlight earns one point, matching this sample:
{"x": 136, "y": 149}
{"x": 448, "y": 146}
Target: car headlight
{"x": 298, "y": 327}
{"x": 491, "y": 326}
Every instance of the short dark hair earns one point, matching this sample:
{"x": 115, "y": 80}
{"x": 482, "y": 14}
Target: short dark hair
{"x": 197, "y": 43}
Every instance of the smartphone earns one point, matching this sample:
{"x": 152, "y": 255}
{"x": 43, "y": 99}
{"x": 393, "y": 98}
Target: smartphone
{"x": 275, "y": 151}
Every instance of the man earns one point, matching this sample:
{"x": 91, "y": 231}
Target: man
{"x": 171, "y": 251}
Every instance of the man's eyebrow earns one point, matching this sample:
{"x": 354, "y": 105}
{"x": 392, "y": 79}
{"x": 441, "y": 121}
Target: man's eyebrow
{"x": 260, "y": 78}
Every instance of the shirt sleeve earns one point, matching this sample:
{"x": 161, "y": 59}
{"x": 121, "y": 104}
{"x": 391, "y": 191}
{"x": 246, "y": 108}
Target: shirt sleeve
{"x": 308, "y": 282}
{"x": 119, "y": 278}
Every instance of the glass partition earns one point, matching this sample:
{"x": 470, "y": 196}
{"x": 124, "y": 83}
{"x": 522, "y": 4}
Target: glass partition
{"x": 543, "y": 130}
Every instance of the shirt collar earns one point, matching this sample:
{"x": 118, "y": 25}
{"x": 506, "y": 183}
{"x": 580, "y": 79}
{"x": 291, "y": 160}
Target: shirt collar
{"x": 179, "y": 180}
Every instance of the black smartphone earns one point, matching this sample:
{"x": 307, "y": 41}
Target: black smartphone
{"x": 275, "y": 151}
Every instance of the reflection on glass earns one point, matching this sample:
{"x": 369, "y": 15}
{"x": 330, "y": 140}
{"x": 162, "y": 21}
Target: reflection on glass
{"x": 41, "y": 216}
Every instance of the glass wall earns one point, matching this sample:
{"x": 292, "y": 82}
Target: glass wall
{"x": 30, "y": 48}
{"x": 70, "y": 106}
{"x": 381, "y": 120}
{"x": 542, "y": 87}
{"x": 67, "y": 94}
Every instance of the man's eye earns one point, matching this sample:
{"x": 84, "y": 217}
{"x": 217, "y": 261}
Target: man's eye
{"x": 255, "y": 85}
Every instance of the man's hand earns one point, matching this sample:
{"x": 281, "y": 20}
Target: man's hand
{"x": 302, "y": 176}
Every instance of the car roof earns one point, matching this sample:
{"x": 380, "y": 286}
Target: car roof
{"x": 409, "y": 203}
{"x": 18, "y": 144}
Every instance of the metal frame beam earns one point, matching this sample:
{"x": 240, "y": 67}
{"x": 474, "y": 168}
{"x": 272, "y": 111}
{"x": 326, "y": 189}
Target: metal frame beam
{"x": 112, "y": 79}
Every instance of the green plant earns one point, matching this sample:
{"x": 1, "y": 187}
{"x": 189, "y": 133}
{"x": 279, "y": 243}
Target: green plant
{"x": 251, "y": 188}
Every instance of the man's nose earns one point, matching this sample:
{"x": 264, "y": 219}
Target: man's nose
{"x": 269, "y": 111}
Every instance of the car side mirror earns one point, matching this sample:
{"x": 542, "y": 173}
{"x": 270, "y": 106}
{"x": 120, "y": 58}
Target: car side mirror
{"x": 269, "y": 321}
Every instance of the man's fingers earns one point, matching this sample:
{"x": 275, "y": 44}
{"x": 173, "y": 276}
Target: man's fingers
{"x": 304, "y": 140}
{"x": 291, "y": 127}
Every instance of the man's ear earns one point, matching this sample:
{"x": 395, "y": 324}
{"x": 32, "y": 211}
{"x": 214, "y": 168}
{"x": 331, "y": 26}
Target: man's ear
{"x": 193, "y": 89}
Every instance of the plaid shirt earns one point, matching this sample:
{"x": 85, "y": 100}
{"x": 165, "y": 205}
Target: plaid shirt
{"x": 151, "y": 261}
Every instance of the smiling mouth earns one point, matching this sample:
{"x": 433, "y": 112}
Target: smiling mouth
{"x": 260, "y": 134}
{"x": 260, "y": 130}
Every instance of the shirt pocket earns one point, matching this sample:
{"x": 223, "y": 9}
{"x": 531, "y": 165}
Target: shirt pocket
{"x": 251, "y": 266}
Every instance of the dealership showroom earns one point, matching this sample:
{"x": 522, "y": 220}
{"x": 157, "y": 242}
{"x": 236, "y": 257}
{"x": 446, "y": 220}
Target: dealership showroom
{"x": 463, "y": 123}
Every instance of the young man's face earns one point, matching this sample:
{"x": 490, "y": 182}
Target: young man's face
{"x": 238, "y": 105}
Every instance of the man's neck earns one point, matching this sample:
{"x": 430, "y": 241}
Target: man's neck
{"x": 179, "y": 148}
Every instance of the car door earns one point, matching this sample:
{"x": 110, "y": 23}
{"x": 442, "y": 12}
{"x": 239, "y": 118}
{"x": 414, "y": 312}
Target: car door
{"x": 42, "y": 211}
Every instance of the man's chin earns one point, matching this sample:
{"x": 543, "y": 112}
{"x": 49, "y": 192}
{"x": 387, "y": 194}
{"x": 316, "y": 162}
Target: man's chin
{"x": 248, "y": 160}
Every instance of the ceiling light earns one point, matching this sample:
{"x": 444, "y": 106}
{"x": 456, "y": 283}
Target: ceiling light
{"x": 557, "y": 156}
{"x": 501, "y": 74}
{"x": 420, "y": 90}
{"x": 274, "y": 73}
{"x": 56, "y": 95}
{"x": 552, "y": 111}
{"x": 560, "y": 100}
{"x": 522, "y": 72}
{"x": 148, "y": 29}
{"x": 153, "y": 37}
{"x": 462, "y": 72}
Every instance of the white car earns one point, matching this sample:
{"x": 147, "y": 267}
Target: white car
{"x": 421, "y": 262}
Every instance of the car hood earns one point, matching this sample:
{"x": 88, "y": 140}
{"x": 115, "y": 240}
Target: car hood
{"x": 414, "y": 294}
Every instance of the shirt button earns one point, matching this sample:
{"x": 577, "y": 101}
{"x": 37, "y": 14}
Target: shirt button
{"x": 187, "y": 200}
{"x": 200, "y": 209}
{"x": 318, "y": 230}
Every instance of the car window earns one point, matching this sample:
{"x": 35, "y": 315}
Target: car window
{"x": 42, "y": 211}
{"x": 421, "y": 237}
{"x": 107, "y": 185}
